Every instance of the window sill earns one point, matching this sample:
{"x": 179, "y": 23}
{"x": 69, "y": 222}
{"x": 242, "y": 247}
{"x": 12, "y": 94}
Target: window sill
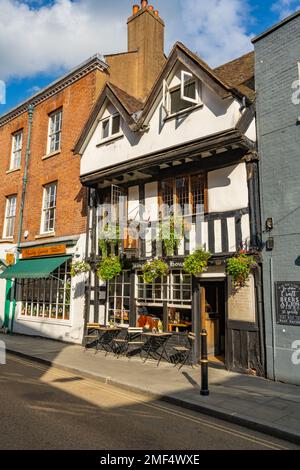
{"x": 184, "y": 112}
{"x": 45, "y": 235}
{"x": 13, "y": 170}
{"x": 109, "y": 140}
{"x": 37, "y": 319}
{"x": 53, "y": 154}
{"x": 7, "y": 240}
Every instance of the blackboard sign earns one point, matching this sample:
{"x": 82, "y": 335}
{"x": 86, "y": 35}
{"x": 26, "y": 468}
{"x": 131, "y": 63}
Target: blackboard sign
{"x": 288, "y": 303}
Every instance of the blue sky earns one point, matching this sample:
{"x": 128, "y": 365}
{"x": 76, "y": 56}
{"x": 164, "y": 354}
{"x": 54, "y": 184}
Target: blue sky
{"x": 42, "y": 39}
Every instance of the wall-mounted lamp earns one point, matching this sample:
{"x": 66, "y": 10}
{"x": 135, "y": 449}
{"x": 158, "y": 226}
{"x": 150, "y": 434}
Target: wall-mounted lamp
{"x": 270, "y": 244}
{"x": 269, "y": 224}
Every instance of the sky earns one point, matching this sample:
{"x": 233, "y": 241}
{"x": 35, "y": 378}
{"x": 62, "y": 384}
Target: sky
{"x": 42, "y": 39}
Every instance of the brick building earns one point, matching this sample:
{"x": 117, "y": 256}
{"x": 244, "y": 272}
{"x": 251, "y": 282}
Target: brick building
{"x": 42, "y": 202}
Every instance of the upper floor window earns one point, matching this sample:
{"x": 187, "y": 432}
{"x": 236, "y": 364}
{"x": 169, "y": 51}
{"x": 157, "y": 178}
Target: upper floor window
{"x": 185, "y": 195}
{"x": 49, "y": 208}
{"x": 111, "y": 126}
{"x": 55, "y": 126}
{"x": 10, "y": 216}
{"x": 183, "y": 96}
{"x": 16, "y": 152}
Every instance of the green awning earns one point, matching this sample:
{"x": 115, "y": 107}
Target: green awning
{"x": 33, "y": 268}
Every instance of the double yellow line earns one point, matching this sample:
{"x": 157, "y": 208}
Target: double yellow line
{"x": 55, "y": 372}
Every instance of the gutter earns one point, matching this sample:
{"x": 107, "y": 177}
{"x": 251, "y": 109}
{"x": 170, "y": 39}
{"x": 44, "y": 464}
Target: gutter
{"x": 23, "y": 197}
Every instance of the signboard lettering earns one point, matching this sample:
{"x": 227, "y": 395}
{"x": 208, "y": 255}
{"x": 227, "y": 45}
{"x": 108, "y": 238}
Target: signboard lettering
{"x": 44, "y": 251}
{"x": 288, "y": 303}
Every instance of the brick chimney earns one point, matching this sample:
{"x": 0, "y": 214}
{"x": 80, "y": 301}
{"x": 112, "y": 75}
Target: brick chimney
{"x": 146, "y": 34}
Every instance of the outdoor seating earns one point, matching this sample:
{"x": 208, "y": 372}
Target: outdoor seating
{"x": 92, "y": 335}
{"x": 183, "y": 352}
{"x": 155, "y": 346}
{"x": 133, "y": 339}
{"x": 106, "y": 339}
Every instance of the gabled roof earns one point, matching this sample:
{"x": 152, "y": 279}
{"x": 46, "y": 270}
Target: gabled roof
{"x": 239, "y": 74}
{"x": 124, "y": 103}
{"x": 229, "y": 80}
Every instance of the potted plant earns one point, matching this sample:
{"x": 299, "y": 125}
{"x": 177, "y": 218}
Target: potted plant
{"x": 197, "y": 262}
{"x": 171, "y": 233}
{"x": 239, "y": 268}
{"x": 109, "y": 268}
{"x": 154, "y": 269}
{"x": 79, "y": 267}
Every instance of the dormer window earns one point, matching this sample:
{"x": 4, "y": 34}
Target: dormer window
{"x": 182, "y": 97}
{"x": 111, "y": 127}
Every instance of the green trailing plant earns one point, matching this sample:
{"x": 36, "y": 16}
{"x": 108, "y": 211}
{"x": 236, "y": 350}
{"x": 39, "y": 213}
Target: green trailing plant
{"x": 109, "y": 238}
{"x": 197, "y": 262}
{"x": 109, "y": 268}
{"x": 171, "y": 234}
{"x": 154, "y": 269}
{"x": 239, "y": 268}
{"x": 79, "y": 267}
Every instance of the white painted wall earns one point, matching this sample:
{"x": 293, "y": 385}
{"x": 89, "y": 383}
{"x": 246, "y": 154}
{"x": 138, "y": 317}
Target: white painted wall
{"x": 228, "y": 189}
{"x": 214, "y": 116}
{"x": 4, "y": 249}
{"x": 251, "y": 131}
{"x": 71, "y": 331}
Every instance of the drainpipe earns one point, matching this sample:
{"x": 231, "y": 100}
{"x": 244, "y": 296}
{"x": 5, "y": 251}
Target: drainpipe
{"x": 23, "y": 196}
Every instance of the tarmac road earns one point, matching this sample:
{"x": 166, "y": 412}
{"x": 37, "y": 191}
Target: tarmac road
{"x": 47, "y": 408}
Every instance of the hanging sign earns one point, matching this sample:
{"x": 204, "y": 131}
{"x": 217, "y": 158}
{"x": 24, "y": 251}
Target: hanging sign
{"x": 38, "y": 252}
{"x": 9, "y": 259}
{"x": 288, "y": 303}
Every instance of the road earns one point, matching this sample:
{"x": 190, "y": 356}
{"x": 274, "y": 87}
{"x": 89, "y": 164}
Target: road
{"x": 47, "y": 408}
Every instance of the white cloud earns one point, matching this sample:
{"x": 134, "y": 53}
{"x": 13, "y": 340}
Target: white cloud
{"x": 43, "y": 36}
{"x": 285, "y": 7}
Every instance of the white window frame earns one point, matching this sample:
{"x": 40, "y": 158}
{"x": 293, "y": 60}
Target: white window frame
{"x": 110, "y": 136}
{"x": 47, "y": 208}
{"x": 53, "y": 132}
{"x": 167, "y": 90}
{"x": 10, "y": 215}
{"x": 16, "y": 150}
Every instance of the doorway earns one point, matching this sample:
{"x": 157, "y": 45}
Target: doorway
{"x": 213, "y": 318}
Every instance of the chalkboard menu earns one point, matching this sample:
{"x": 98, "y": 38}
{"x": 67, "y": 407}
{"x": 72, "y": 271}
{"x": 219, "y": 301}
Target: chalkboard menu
{"x": 288, "y": 303}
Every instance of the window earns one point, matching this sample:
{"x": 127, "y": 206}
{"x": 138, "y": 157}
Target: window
{"x": 187, "y": 194}
{"x": 17, "y": 142}
{"x": 55, "y": 125}
{"x": 179, "y": 288}
{"x": 49, "y": 208}
{"x": 119, "y": 299}
{"x": 111, "y": 127}
{"x": 182, "y": 97}
{"x": 10, "y": 216}
{"x": 47, "y": 298}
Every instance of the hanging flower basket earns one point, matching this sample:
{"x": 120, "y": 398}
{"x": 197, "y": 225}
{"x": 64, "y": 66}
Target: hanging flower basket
{"x": 197, "y": 262}
{"x": 239, "y": 268}
{"x": 153, "y": 270}
{"x": 171, "y": 234}
{"x": 79, "y": 267}
{"x": 109, "y": 268}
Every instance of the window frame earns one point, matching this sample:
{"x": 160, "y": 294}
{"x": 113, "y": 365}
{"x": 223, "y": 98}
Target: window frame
{"x": 110, "y": 119}
{"x": 114, "y": 284}
{"x": 15, "y": 151}
{"x": 10, "y": 217}
{"x": 191, "y": 102}
{"x": 55, "y": 132}
{"x": 48, "y": 209}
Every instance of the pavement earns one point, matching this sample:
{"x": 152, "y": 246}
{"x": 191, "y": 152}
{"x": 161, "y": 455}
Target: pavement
{"x": 259, "y": 404}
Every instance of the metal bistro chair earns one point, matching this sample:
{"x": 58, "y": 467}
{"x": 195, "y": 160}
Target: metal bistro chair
{"x": 106, "y": 340}
{"x": 92, "y": 335}
{"x": 133, "y": 338}
{"x": 184, "y": 352}
{"x": 155, "y": 347}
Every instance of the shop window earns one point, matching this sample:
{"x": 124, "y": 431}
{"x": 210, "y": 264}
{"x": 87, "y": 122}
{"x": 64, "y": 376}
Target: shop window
{"x": 119, "y": 299}
{"x": 47, "y": 298}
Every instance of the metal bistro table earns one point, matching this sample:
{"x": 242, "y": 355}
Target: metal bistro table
{"x": 155, "y": 346}
{"x": 106, "y": 339}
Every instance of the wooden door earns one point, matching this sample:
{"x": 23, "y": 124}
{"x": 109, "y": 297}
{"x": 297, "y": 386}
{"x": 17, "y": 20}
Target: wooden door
{"x": 210, "y": 321}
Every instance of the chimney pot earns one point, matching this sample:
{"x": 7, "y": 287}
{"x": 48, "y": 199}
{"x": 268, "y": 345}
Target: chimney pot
{"x": 151, "y": 7}
{"x": 144, "y": 3}
{"x": 135, "y": 9}
{"x": 156, "y": 12}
